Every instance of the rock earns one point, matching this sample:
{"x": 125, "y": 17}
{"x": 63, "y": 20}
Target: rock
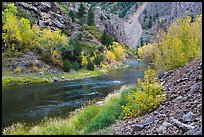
{"x": 182, "y": 126}
{"x": 137, "y": 128}
{"x": 140, "y": 126}
{"x": 56, "y": 79}
{"x": 93, "y": 93}
{"x": 27, "y": 6}
{"x": 57, "y": 23}
{"x": 195, "y": 131}
{"x": 41, "y": 24}
{"x": 99, "y": 103}
{"x": 40, "y": 73}
{"x": 188, "y": 117}
{"x": 194, "y": 88}
{"x": 45, "y": 6}
{"x": 163, "y": 127}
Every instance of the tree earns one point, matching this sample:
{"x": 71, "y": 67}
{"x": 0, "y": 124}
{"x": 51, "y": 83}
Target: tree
{"x": 106, "y": 39}
{"x": 150, "y": 23}
{"x": 72, "y": 15}
{"x": 90, "y": 18}
{"x": 81, "y": 13}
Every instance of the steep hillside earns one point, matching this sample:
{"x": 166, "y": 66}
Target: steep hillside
{"x": 161, "y": 14}
{"x": 181, "y": 113}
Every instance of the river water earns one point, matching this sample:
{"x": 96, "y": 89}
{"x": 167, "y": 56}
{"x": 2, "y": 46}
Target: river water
{"x": 31, "y": 103}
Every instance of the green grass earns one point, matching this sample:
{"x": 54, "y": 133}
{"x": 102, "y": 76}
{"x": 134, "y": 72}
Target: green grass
{"x": 9, "y": 78}
{"x": 90, "y": 118}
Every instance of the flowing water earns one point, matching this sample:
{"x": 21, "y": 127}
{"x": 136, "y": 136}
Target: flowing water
{"x": 31, "y": 103}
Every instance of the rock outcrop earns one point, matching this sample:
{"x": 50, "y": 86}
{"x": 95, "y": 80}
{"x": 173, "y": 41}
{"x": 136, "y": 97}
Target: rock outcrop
{"x": 162, "y": 14}
{"x": 180, "y": 114}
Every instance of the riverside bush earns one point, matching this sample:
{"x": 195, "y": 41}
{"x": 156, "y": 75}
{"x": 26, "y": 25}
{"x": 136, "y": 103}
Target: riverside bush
{"x": 147, "y": 96}
{"x": 66, "y": 66}
{"x": 90, "y": 66}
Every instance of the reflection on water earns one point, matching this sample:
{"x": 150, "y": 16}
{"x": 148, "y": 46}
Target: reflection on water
{"x": 33, "y": 102}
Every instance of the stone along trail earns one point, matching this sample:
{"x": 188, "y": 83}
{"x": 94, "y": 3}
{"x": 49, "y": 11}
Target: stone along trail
{"x": 132, "y": 27}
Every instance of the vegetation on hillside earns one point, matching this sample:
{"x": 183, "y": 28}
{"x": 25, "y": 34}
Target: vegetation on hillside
{"x": 179, "y": 45}
{"x": 55, "y": 47}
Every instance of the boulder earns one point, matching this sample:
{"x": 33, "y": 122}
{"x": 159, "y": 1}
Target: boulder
{"x": 195, "y": 131}
{"x": 40, "y": 73}
{"x": 182, "y": 126}
{"x": 56, "y": 79}
{"x": 140, "y": 126}
{"x": 163, "y": 127}
{"x": 57, "y": 23}
{"x": 188, "y": 117}
{"x": 45, "y": 6}
{"x": 93, "y": 93}
{"x": 99, "y": 103}
{"x": 194, "y": 88}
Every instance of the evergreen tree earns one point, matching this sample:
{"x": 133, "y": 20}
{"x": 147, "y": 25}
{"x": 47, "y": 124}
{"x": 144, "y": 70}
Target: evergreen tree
{"x": 90, "y": 18}
{"x": 106, "y": 39}
{"x": 72, "y": 15}
{"x": 81, "y": 13}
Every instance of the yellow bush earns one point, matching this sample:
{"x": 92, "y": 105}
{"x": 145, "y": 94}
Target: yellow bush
{"x": 56, "y": 57}
{"x": 119, "y": 51}
{"x": 110, "y": 56}
{"x": 35, "y": 69}
{"x": 84, "y": 61}
{"x": 18, "y": 69}
{"x": 42, "y": 69}
{"x": 146, "y": 53}
{"x": 147, "y": 96}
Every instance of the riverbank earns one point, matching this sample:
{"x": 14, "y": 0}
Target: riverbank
{"x": 95, "y": 115}
{"x": 21, "y": 79}
{"x": 10, "y": 78}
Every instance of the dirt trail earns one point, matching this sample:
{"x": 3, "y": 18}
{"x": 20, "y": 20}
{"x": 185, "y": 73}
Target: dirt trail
{"x": 132, "y": 27}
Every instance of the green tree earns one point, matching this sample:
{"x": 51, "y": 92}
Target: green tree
{"x": 90, "y": 18}
{"x": 106, "y": 39}
{"x": 81, "y": 13}
{"x": 72, "y": 15}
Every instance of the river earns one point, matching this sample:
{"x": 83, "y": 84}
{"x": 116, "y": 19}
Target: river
{"x": 31, "y": 103}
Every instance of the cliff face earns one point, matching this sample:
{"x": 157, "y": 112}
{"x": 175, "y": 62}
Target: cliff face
{"x": 180, "y": 114}
{"x": 111, "y": 22}
{"x": 162, "y": 14}
{"x": 47, "y": 14}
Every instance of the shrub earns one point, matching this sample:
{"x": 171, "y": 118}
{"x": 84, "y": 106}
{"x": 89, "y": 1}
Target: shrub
{"x": 90, "y": 66}
{"x": 146, "y": 53}
{"x": 110, "y": 56}
{"x": 35, "y": 69}
{"x": 84, "y": 61}
{"x": 18, "y": 69}
{"x": 56, "y": 57}
{"x": 42, "y": 69}
{"x": 75, "y": 65}
{"x": 147, "y": 96}
{"x": 66, "y": 66}
{"x": 119, "y": 51}
{"x": 97, "y": 61}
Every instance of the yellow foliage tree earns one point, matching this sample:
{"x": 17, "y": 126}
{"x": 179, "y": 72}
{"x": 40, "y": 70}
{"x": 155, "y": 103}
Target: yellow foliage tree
{"x": 181, "y": 44}
{"x": 146, "y": 53}
{"x": 119, "y": 51}
{"x": 110, "y": 56}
